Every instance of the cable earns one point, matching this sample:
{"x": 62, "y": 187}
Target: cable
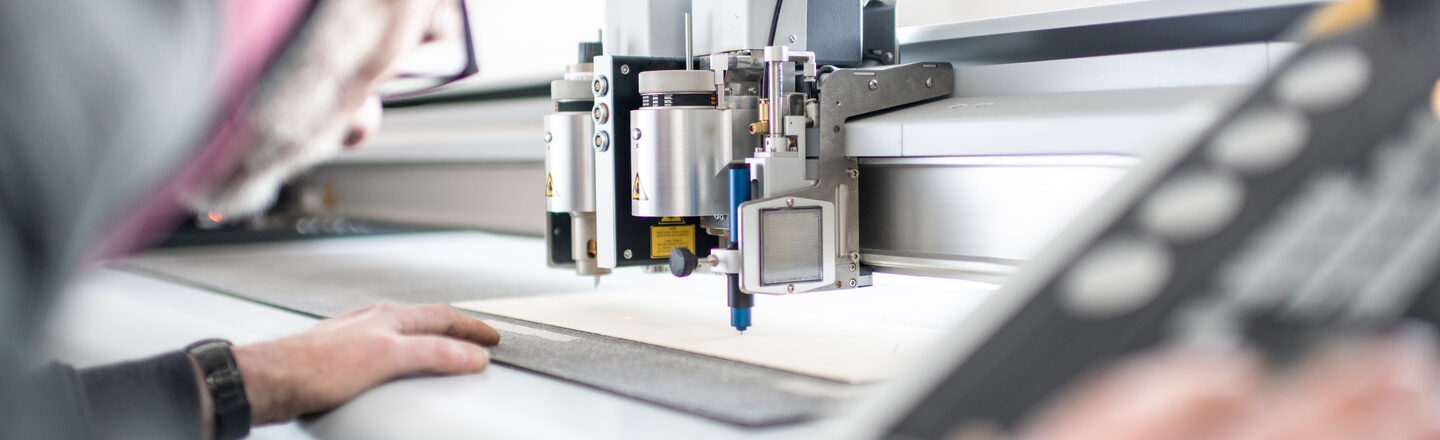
{"x": 775, "y": 21}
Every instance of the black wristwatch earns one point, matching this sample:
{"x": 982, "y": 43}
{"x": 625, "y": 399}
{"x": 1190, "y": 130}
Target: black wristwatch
{"x": 227, "y": 391}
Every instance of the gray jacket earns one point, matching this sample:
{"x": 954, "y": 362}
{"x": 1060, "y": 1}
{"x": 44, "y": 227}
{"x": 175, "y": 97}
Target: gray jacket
{"x": 101, "y": 102}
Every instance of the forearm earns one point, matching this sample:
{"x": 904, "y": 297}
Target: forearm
{"x": 266, "y": 384}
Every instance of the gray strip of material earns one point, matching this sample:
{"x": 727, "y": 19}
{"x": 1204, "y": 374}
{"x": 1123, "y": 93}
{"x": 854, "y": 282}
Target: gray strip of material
{"x": 326, "y": 283}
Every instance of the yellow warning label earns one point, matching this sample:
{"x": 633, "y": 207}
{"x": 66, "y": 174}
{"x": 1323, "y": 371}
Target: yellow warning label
{"x": 549, "y": 185}
{"x": 638, "y": 193}
{"x": 665, "y": 238}
{"x": 671, "y": 220}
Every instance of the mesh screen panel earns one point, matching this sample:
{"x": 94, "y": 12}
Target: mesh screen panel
{"x": 790, "y": 246}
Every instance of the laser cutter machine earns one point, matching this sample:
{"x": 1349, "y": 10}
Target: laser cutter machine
{"x": 731, "y": 155}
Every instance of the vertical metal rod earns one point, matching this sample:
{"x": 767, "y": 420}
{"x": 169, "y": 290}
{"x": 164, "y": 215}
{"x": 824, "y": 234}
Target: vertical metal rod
{"x": 775, "y": 88}
{"x": 689, "y": 44}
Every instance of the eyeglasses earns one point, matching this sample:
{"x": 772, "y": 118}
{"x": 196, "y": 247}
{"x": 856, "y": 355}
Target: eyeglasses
{"x": 447, "y": 55}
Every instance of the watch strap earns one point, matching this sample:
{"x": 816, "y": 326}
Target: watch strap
{"x": 227, "y": 390}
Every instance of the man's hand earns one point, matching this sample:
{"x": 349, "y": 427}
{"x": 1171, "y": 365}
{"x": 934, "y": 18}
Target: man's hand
{"x": 344, "y": 356}
{"x": 1387, "y": 388}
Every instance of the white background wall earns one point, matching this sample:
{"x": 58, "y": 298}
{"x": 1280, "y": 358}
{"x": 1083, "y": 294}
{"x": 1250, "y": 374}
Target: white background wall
{"x": 519, "y": 41}
{"x": 922, "y": 12}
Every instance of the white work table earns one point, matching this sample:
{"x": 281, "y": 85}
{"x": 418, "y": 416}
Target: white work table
{"x": 111, "y": 315}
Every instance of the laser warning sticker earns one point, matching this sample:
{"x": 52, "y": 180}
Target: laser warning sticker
{"x": 638, "y": 193}
{"x": 665, "y": 238}
{"x": 549, "y": 185}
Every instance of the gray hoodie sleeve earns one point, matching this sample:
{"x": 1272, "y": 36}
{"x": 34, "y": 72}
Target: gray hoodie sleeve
{"x": 155, "y": 398}
{"x": 99, "y": 102}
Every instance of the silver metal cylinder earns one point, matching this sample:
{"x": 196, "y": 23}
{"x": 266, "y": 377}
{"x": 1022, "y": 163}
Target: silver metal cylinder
{"x": 775, "y": 94}
{"x": 569, "y": 162}
{"x": 582, "y": 244}
{"x": 678, "y": 162}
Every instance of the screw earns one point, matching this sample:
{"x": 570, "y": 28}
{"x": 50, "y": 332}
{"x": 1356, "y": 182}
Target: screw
{"x": 836, "y": 129}
{"x": 636, "y": 136}
{"x": 629, "y": 254}
{"x": 549, "y": 137}
{"x": 790, "y": 203}
{"x": 874, "y": 84}
{"x": 929, "y": 82}
{"x": 752, "y": 91}
{"x": 790, "y": 288}
{"x": 853, "y": 173}
{"x": 794, "y": 39}
{"x": 852, "y": 282}
{"x": 557, "y": 231}
{"x": 837, "y": 284}
{"x": 854, "y": 256}
{"x": 852, "y": 267}
{"x": 624, "y": 69}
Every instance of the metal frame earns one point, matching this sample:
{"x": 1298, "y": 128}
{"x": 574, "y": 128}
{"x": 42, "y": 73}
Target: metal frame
{"x": 846, "y": 93}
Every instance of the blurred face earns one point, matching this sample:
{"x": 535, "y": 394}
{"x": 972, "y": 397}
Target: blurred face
{"x": 323, "y": 98}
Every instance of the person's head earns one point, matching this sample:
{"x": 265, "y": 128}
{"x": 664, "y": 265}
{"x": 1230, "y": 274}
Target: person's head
{"x": 322, "y": 98}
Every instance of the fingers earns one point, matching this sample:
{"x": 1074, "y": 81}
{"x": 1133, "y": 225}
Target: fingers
{"x": 440, "y": 355}
{"x": 1435, "y": 101}
{"x": 1176, "y": 394}
{"x": 1374, "y": 390}
{"x": 443, "y": 320}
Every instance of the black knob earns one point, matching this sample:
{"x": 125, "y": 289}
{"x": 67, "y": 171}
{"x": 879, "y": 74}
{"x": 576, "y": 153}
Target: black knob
{"x": 589, "y": 50}
{"x": 683, "y": 262}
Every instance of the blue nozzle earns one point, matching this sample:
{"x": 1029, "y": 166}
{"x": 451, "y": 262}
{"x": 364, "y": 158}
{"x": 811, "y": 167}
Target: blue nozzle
{"x": 740, "y": 318}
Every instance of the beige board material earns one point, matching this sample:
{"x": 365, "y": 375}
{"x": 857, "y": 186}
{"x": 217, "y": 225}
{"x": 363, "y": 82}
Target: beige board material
{"x": 844, "y": 349}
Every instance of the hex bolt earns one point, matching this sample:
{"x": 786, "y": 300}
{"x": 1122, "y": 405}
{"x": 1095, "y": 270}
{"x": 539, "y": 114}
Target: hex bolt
{"x": 854, "y": 256}
{"x": 852, "y": 282}
{"x": 790, "y": 203}
{"x": 929, "y": 83}
{"x": 874, "y": 84}
{"x": 852, "y": 267}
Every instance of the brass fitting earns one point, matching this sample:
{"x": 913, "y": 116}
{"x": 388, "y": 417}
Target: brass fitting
{"x": 763, "y": 126}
